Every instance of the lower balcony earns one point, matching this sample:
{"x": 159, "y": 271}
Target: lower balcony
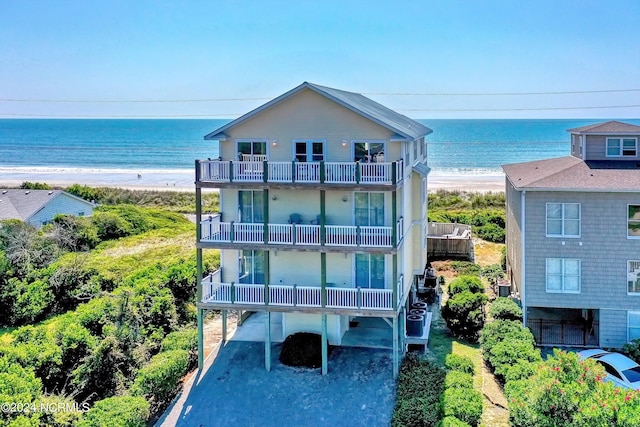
{"x": 294, "y": 297}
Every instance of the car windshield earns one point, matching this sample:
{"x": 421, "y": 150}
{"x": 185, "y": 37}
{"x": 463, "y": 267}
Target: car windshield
{"x": 633, "y": 374}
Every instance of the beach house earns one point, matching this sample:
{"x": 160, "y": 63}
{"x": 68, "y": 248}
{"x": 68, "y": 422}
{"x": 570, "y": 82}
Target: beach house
{"x": 39, "y": 207}
{"x": 573, "y": 239}
{"x": 322, "y": 215}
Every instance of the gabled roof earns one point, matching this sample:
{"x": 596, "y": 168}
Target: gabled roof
{"x": 610, "y": 127}
{"x": 572, "y": 174}
{"x": 403, "y": 126}
{"x": 23, "y": 204}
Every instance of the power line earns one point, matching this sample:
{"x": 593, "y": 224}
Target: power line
{"x": 114, "y": 101}
{"x": 523, "y": 109}
{"x": 500, "y": 93}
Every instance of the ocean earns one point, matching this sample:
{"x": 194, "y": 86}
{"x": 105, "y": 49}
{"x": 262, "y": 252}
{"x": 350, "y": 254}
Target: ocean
{"x": 127, "y": 146}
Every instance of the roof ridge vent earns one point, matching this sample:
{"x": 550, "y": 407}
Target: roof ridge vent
{"x": 4, "y": 191}
{"x": 27, "y": 192}
{"x": 50, "y": 193}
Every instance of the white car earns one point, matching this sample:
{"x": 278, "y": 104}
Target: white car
{"x": 621, "y": 370}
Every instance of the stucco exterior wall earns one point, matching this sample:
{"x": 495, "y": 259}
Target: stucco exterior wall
{"x": 307, "y": 115}
{"x": 61, "y": 204}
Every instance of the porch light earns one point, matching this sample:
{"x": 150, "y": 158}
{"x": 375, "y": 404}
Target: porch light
{"x": 274, "y": 142}
{"x": 345, "y": 198}
{"x": 344, "y": 142}
{"x": 274, "y": 197}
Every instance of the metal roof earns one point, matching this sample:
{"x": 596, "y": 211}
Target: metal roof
{"x": 422, "y": 169}
{"x": 22, "y": 204}
{"x": 405, "y": 127}
{"x": 610, "y": 127}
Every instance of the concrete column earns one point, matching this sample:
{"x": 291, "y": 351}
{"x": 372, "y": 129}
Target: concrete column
{"x": 325, "y": 348}
{"x": 396, "y": 361}
{"x": 267, "y": 341}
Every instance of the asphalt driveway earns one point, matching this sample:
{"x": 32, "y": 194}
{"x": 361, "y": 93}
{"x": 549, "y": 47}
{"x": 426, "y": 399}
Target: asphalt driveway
{"x": 235, "y": 390}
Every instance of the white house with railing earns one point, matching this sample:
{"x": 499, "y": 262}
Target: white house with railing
{"x": 322, "y": 214}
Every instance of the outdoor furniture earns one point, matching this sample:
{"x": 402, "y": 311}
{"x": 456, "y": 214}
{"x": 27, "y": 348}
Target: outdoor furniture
{"x": 454, "y": 233}
{"x": 317, "y": 220}
{"x": 295, "y": 218}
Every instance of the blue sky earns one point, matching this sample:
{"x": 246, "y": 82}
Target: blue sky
{"x": 89, "y": 50}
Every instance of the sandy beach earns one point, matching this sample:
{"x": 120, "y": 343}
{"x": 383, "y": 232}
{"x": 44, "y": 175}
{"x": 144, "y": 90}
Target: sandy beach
{"x": 183, "y": 180}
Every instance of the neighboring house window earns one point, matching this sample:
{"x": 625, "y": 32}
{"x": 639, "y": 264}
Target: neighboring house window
{"x": 633, "y": 277}
{"x": 563, "y": 275}
{"x": 619, "y": 147}
{"x": 633, "y": 325}
{"x": 633, "y": 221}
{"x": 368, "y": 151}
{"x": 563, "y": 219}
{"x": 252, "y": 150}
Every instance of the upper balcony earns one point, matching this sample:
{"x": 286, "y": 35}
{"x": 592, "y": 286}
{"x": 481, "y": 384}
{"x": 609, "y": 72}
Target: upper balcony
{"x": 223, "y": 173}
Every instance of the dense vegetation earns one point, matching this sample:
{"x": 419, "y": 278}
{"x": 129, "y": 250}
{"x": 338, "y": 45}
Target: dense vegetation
{"x": 102, "y": 315}
{"x": 175, "y": 201}
{"x": 461, "y": 403}
{"x": 560, "y": 391}
{"x": 485, "y": 212}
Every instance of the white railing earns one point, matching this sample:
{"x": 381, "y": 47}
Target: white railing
{"x": 297, "y": 234}
{"x": 279, "y": 171}
{"x": 375, "y": 236}
{"x": 340, "y": 173}
{"x": 303, "y": 172}
{"x": 341, "y": 235}
{"x": 377, "y": 299}
{"x": 400, "y": 229}
{"x": 248, "y": 233}
{"x": 280, "y": 234}
{"x": 307, "y": 234}
{"x": 213, "y": 291}
{"x": 307, "y": 172}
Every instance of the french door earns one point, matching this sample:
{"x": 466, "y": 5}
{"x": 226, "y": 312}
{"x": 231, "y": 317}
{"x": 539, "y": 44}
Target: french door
{"x": 309, "y": 150}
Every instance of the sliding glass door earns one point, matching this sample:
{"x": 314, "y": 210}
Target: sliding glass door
{"x": 251, "y": 268}
{"x": 370, "y": 271}
{"x": 251, "y": 206}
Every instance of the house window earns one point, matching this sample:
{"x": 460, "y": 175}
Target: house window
{"x": 252, "y": 150}
{"x": 368, "y": 151}
{"x": 633, "y": 325}
{"x": 309, "y": 150}
{"x": 633, "y": 221}
{"x": 415, "y": 149}
{"x": 633, "y": 277}
{"x": 369, "y": 209}
{"x": 621, "y": 147}
{"x": 251, "y": 268}
{"x": 563, "y": 219}
{"x": 370, "y": 271}
{"x": 251, "y": 206}
{"x": 563, "y": 275}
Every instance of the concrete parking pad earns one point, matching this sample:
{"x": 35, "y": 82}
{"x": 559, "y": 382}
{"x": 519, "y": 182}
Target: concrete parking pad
{"x": 235, "y": 390}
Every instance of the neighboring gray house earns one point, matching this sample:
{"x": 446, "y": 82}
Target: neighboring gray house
{"x": 573, "y": 239}
{"x": 39, "y": 207}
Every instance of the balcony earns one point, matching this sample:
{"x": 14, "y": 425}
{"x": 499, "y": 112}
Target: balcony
{"x": 213, "y": 231}
{"x": 334, "y": 173}
{"x": 218, "y": 293}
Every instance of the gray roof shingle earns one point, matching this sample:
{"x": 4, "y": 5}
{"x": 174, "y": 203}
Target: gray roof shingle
{"x": 572, "y": 174}
{"x": 405, "y": 127}
{"x": 610, "y": 127}
{"x": 22, "y": 204}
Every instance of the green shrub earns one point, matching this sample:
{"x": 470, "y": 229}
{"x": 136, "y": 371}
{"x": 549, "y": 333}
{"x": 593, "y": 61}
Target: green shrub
{"x": 452, "y": 421}
{"x": 632, "y": 350}
{"x": 302, "y": 349}
{"x": 186, "y": 339}
{"x": 466, "y": 268}
{"x": 494, "y": 332}
{"x": 508, "y": 352}
{"x": 110, "y": 225}
{"x": 26, "y": 185}
{"x": 492, "y": 273}
{"x": 505, "y": 309}
{"x": 503, "y": 258}
{"x": 460, "y": 363}
{"x": 160, "y": 378}
{"x": 120, "y": 411}
{"x": 465, "y": 283}
{"x": 464, "y": 404}
{"x": 458, "y": 379}
{"x": 464, "y": 314}
{"x": 491, "y": 233}
{"x": 420, "y": 384}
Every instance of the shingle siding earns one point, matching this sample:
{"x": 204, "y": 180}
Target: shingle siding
{"x": 613, "y": 328}
{"x": 603, "y": 249}
{"x": 597, "y": 147}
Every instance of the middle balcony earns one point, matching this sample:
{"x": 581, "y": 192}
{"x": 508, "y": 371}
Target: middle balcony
{"x": 214, "y": 233}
